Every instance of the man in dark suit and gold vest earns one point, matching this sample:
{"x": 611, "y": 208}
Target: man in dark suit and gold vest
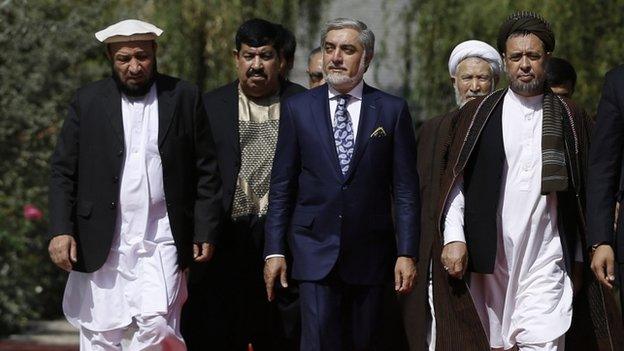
{"x": 228, "y": 308}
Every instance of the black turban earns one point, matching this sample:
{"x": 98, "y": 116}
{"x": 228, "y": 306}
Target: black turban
{"x": 526, "y": 22}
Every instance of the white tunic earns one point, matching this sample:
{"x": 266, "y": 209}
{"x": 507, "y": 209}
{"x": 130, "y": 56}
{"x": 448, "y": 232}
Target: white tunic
{"x": 140, "y": 275}
{"x": 528, "y": 298}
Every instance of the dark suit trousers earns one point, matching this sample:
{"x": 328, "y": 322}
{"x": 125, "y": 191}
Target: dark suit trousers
{"x": 339, "y": 316}
{"x": 227, "y": 307}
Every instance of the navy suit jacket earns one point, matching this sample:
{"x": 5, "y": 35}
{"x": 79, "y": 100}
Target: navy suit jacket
{"x": 605, "y": 178}
{"x": 344, "y": 221}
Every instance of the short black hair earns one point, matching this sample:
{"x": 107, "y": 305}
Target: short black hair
{"x": 560, "y": 71}
{"x": 257, "y": 32}
{"x": 288, "y": 43}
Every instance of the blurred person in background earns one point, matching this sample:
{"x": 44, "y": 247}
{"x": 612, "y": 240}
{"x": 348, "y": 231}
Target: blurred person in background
{"x": 561, "y": 77}
{"x": 315, "y": 68}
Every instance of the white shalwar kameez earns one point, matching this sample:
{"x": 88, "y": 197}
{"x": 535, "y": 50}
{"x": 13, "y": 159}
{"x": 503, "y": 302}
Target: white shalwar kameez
{"x": 527, "y": 301}
{"x": 133, "y": 301}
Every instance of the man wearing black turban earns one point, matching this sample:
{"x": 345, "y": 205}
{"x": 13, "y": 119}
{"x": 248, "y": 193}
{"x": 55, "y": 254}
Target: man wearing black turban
{"x": 513, "y": 192}
{"x": 525, "y": 23}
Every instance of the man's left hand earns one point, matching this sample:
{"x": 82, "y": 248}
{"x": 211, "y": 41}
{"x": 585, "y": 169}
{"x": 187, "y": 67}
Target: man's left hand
{"x": 202, "y": 252}
{"x": 404, "y": 274}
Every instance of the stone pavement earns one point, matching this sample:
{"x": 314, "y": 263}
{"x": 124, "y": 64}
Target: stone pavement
{"x": 43, "y": 336}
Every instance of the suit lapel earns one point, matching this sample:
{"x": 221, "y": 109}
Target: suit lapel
{"x": 112, "y": 103}
{"x": 369, "y": 119}
{"x": 166, "y": 108}
{"x": 322, "y": 119}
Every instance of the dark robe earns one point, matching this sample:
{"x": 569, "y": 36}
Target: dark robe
{"x": 452, "y": 303}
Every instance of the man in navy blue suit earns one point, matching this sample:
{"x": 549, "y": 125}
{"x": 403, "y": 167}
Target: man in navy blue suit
{"x": 345, "y": 164}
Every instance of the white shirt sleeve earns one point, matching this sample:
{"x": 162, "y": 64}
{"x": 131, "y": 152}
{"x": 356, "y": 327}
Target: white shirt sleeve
{"x": 454, "y": 214}
{"x": 273, "y": 256}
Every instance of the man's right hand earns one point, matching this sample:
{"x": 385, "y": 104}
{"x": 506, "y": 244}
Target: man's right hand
{"x": 274, "y": 267}
{"x": 63, "y": 251}
{"x": 454, "y": 258}
{"x": 603, "y": 265}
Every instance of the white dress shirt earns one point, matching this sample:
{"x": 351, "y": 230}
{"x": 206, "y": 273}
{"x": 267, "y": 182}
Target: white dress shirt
{"x": 354, "y": 106}
{"x": 528, "y": 298}
{"x": 140, "y": 276}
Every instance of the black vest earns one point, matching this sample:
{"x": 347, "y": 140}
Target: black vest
{"x": 482, "y": 186}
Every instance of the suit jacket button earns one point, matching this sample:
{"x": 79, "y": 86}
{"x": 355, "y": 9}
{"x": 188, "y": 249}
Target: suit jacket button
{"x": 115, "y": 179}
{"x": 113, "y": 205}
{"x": 119, "y": 153}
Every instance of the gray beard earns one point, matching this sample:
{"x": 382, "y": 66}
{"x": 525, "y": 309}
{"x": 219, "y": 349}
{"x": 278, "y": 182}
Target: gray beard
{"x": 458, "y": 98}
{"x": 535, "y": 87}
{"x": 335, "y": 79}
{"x": 339, "y": 79}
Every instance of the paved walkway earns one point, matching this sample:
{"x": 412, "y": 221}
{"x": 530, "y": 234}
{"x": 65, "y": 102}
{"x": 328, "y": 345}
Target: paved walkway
{"x": 43, "y": 336}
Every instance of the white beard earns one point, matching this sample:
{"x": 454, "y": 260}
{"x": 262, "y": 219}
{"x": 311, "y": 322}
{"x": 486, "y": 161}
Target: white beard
{"x": 469, "y": 96}
{"x": 338, "y": 78}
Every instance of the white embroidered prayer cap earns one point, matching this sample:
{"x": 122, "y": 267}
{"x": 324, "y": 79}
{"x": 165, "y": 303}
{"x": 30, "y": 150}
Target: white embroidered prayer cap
{"x": 128, "y": 30}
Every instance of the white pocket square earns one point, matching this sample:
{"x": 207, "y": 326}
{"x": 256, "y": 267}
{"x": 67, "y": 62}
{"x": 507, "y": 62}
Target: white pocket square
{"x": 378, "y": 133}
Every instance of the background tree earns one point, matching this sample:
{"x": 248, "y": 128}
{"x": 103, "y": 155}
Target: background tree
{"x": 588, "y": 34}
{"x": 45, "y": 55}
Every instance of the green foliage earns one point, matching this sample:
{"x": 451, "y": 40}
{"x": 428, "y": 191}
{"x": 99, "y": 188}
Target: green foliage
{"x": 588, "y": 34}
{"x": 199, "y": 35}
{"x": 45, "y": 56}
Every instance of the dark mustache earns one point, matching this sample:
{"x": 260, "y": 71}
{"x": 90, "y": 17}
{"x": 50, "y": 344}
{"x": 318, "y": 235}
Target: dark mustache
{"x": 335, "y": 67}
{"x": 252, "y": 72}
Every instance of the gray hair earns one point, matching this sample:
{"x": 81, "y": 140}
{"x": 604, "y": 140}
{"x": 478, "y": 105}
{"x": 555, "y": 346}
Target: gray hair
{"x": 367, "y": 38}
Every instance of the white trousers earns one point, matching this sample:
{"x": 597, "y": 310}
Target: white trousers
{"x": 431, "y": 332}
{"x": 149, "y": 333}
{"x": 556, "y": 345}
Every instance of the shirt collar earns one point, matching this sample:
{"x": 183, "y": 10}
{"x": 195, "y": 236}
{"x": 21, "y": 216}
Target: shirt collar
{"x": 356, "y": 92}
{"x": 145, "y": 99}
{"x": 532, "y": 102}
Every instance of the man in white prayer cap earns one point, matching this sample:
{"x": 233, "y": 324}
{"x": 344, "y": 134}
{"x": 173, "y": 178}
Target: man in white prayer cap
{"x": 134, "y": 198}
{"x": 474, "y": 67}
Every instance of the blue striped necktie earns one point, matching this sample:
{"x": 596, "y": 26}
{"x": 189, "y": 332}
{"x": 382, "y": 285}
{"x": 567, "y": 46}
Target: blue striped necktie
{"x": 343, "y": 134}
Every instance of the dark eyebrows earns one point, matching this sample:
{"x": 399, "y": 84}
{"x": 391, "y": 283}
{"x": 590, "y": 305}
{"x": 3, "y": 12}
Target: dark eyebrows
{"x": 261, "y": 52}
